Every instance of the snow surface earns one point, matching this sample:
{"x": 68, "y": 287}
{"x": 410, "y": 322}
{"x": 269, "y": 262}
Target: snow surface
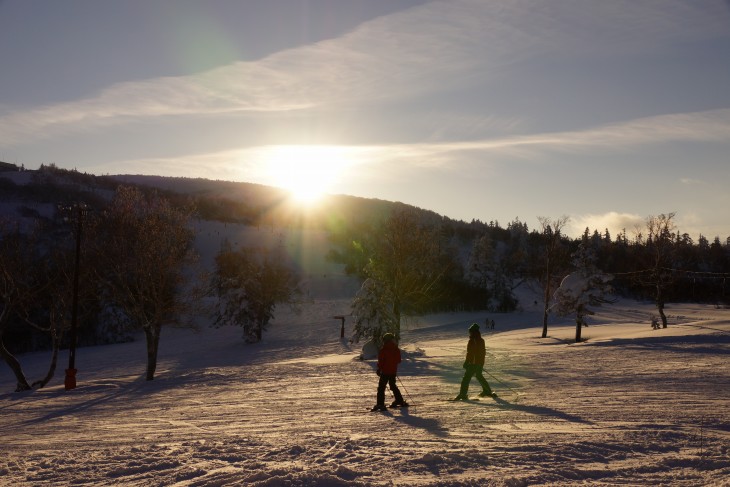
{"x": 630, "y": 406}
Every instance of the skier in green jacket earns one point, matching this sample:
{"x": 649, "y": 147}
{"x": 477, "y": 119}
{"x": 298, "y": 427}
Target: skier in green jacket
{"x": 474, "y": 365}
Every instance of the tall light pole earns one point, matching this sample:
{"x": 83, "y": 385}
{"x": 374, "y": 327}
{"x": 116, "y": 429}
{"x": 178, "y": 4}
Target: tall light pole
{"x": 70, "y": 381}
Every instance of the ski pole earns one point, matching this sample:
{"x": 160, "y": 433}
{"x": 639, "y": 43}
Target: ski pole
{"x": 410, "y": 401}
{"x": 505, "y": 385}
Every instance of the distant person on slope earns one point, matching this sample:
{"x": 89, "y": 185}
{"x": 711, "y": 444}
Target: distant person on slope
{"x": 388, "y": 360}
{"x": 474, "y": 364}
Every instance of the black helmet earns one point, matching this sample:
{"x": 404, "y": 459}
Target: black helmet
{"x": 388, "y": 337}
{"x": 473, "y": 327}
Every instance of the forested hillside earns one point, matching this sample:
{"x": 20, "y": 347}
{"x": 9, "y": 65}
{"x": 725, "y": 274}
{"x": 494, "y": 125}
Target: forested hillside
{"x": 134, "y": 243}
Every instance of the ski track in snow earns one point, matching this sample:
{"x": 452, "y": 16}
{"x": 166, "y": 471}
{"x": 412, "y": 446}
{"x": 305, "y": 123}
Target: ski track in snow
{"x": 631, "y": 406}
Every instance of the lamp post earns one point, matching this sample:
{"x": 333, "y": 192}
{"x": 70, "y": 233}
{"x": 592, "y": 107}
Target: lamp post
{"x": 70, "y": 381}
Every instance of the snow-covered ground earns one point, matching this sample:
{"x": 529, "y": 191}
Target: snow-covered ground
{"x": 630, "y": 406}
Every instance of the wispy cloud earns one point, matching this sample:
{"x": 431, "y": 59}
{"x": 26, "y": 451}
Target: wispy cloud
{"x": 250, "y": 163}
{"x": 709, "y": 126}
{"x": 401, "y": 55}
{"x": 692, "y": 182}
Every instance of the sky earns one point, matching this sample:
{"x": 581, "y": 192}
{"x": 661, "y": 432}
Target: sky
{"x": 604, "y": 112}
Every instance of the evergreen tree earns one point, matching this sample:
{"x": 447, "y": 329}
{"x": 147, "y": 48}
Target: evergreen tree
{"x": 489, "y": 269}
{"x": 250, "y": 286}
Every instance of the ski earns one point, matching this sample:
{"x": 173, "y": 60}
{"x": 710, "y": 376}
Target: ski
{"x": 469, "y": 399}
{"x": 385, "y": 409}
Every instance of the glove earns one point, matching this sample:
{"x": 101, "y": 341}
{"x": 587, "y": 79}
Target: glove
{"x": 377, "y": 372}
{"x": 466, "y": 364}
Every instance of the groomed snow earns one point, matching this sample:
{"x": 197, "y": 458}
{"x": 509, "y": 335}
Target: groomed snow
{"x": 630, "y": 406}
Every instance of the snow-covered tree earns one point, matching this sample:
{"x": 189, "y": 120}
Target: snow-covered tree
{"x": 142, "y": 244}
{"x": 587, "y": 286}
{"x": 372, "y": 310}
{"x": 406, "y": 264}
{"x": 249, "y": 287}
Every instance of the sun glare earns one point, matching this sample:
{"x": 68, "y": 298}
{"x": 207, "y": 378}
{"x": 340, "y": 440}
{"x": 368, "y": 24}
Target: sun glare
{"x": 307, "y": 172}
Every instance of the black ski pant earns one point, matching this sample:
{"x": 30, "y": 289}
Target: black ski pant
{"x": 390, "y": 380}
{"x": 471, "y": 371}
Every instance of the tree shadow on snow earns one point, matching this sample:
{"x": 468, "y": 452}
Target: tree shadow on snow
{"x": 713, "y": 344}
{"x": 93, "y": 395}
{"x": 540, "y": 411}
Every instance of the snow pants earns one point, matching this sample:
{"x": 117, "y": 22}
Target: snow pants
{"x": 390, "y": 380}
{"x": 471, "y": 371}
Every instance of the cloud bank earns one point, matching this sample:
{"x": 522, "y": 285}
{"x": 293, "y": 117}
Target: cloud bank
{"x": 612, "y": 221}
{"x": 406, "y": 54}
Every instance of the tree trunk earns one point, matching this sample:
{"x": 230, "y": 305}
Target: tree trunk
{"x": 660, "y": 305}
{"x": 15, "y": 367}
{"x": 152, "y": 333}
{"x": 578, "y": 328}
{"x": 546, "y": 308}
{"x": 52, "y": 367}
{"x": 663, "y": 316}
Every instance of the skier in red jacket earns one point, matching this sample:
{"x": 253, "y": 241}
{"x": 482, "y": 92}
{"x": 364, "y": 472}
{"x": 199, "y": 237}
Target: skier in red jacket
{"x": 388, "y": 360}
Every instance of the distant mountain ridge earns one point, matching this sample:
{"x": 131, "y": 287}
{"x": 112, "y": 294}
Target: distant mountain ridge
{"x": 273, "y": 200}
{"x": 228, "y": 201}
{"x": 6, "y": 166}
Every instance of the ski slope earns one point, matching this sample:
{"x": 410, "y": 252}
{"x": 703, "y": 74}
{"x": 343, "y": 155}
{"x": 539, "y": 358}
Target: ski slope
{"x": 630, "y": 406}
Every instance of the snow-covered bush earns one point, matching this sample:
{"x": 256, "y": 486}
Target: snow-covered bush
{"x": 372, "y": 311}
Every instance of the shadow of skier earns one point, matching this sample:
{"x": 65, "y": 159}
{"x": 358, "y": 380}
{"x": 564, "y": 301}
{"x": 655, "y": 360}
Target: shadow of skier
{"x": 431, "y": 425}
{"x": 540, "y": 411}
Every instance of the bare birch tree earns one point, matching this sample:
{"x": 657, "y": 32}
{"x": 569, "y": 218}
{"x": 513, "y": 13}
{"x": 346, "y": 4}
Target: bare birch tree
{"x": 551, "y": 231}
{"x": 660, "y": 252}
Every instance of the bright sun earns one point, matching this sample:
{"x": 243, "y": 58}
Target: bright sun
{"x": 306, "y": 171}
